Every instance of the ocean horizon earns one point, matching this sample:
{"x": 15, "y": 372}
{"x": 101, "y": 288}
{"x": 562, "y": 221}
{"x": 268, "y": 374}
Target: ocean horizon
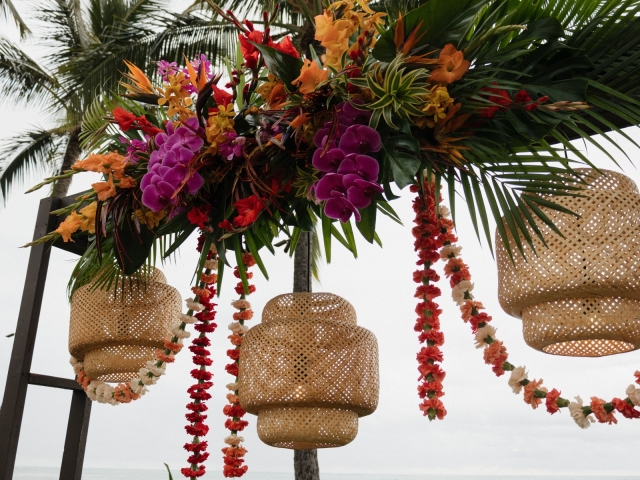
{"x": 52, "y": 473}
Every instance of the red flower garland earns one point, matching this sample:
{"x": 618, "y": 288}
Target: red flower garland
{"x": 430, "y": 233}
{"x": 198, "y": 392}
{"x": 234, "y": 453}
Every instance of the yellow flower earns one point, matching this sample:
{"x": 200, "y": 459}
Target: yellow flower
{"x": 435, "y": 108}
{"x": 149, "y": 218}
{"x": 176, "y": 96}
{"x": 218, "y": 123}
{"x": 310, "y": 77}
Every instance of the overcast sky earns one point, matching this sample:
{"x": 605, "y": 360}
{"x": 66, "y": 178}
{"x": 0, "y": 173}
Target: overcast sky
{"x": 488, "y": 430}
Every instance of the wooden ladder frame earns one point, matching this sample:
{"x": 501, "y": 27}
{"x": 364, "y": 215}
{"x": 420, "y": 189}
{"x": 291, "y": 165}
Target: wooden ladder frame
{"x": 20, "y": 376}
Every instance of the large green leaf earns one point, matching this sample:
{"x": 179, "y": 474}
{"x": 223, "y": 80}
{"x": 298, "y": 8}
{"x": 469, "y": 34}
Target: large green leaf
{"x": 401, "y": 154}
{"x": 443, "y": 21}
{"x": 133, "y": 247}
{"x": 283, "y": 66}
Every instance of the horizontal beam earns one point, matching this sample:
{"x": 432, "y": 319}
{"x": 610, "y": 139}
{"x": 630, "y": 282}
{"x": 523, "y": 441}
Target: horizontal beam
{"x": 55, "y": 382}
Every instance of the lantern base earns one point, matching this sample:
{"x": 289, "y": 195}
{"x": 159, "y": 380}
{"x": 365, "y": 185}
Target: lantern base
{"x": 117, "y": 363}
{"x": 583, "y": 327}
{"x": 305, "y": 428}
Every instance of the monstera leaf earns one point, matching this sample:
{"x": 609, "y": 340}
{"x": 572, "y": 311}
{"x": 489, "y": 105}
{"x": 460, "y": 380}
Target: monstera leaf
{"x": 438, "y": 22}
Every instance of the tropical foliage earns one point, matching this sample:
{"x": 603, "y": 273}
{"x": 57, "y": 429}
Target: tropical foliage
{"x": 83, "y": 46}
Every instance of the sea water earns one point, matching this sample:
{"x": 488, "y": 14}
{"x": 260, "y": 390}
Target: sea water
{"x": 51, "y": 473}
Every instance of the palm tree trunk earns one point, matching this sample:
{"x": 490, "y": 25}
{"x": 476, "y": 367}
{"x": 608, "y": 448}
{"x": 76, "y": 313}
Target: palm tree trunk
{"x": 305, "y": 462}
{"x": 71, "y": 154}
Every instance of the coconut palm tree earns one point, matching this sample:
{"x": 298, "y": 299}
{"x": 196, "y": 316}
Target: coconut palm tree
{"x": 84, "y": 48}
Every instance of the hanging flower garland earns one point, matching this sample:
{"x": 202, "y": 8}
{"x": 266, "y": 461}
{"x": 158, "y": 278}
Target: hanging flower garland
{"x": 495, "y": 352}
{"x": 430, "y": 232}
{"x": 234, "y": 453}
{"x": 203, "y": 304}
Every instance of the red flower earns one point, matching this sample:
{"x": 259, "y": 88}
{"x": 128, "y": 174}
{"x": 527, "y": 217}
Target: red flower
{"x": 432, "y": 336}
{"x": 188, "y": 472}
{"x": 249, "y": 52}
{"x": 476, "y": 320}
{"x": 196, "y": 447}
{"x": 226, "y": 225}
{"x": 205, "y": 328}
{"x": 240, "y": 289}
{"x": 522, "y": 97}
{"x": 500, "y": 99}
{"x": 201, "y": 374}
{"x": 550, "y": 401}
{"x": 199, "y": 215}
{"x": 248, "y": 210}
{"x": 228, "y": 471}
{"x": 234, "y": 411}
{"x": 626, "y": 409}
{"x": 233, "y": 354}
{"x": 124, "y": 118}
{"x": 427, "y": 291}
{"x": 221, "y": 97}
{"x": 637, "y": 374}
{"x": 238, "y": 426}
{"x": 198, "y": 458}
{"x": 285, "y": 46}
{"x": 198, "y": 429}
{"x": 429, "y": 353}
{"x": 248, "y": 260}
{"x": 199, "y": 360}
{"x": 434, "y": 408}
{"x": 426, "y": 388}
{"x": 434, "y": 370}
{"x": 232, "y": 369}
{"x": 199, "y": 350}
{"x": 195, "y": 417}
{"x": 197, "y": 407}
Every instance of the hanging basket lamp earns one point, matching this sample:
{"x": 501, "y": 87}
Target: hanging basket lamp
{"x": 115, "y": 331}
{"x": 581, "y": 295}
{"x": 308, "y": 372}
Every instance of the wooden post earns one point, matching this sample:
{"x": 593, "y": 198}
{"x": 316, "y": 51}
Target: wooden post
{"x": 305, "y": 462}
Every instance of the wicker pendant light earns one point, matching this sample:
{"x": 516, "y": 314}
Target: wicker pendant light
{"x": 115, "y": 332}
{"x": 308, "y": 372}
{"x": 581, "y": 296}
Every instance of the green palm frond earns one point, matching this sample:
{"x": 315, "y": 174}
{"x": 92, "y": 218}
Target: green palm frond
{"x": 33, "y": 152}
{"x": 9, "y": 11}
{"x": 21, "y": 78}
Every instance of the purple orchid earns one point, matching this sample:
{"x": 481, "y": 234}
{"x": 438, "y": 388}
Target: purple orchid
{"x": 362, "y": 165}
{"x": 360, "y": 139}
{"x": 232, "y": 146}
{"x": 341, "y": 209}
{"x": 322, "y": 136}
{"x": 330, "y": 161}
{"x": 359, "y": 191}
{"x": 134, "y": 147}
{"x": 169, "y": 165}
{"x": 350, "y": 115}
{"x": 165, "y": 69}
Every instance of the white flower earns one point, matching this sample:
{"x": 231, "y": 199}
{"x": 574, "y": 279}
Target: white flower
{"x": 77, "y": 368}
{"x": 575, "y": 409}
{"x": 157, "y": 371}
{"x": 73, "y": 361}
{"x": 195, "y": 306}
{"x": 458, "y": 292}
{"x": 443, "y": 211}
{"x": 100, "y": 393}
{"x": 450, "y": 251}
{"x": 232, "y": 386}
{"x": 517, "y": 375}
{"x": 634, "y": 394}
{"x": 484, "y": 332}
{"x": 239, "y": 304}
{"x": 143, "y": 373}
{"x": 180, "y": 333}
{"x": 238, "y": 328}
{"x": 233, "y": 440}
{"x": 188, "y": 319}
{"x": 211, "y": 264}
{"x": 138, "y": 387}
{"x": 91, "y": 389}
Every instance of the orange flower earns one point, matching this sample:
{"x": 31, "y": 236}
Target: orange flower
{"x": 529, "y": 390}
{"x": 434, "y": 408}
{"x": 492, "y": 352}
{"x": 127, "y": 182}
{"x": 468, "y": 307}
{"x": 160, "y": 355}
{"x": 310, "y": 77}
{"x": 235, "y": 339}
{"x": 104, "y": 189}
{"x": 209, "y": 279}
{"x": 243, "y": 315}
{"x": 69, "y": 226}
{"x": 300, "y": 120}
{"x": 248, "y": 260}
{"x": 111, "y": 162}
{"x": 454, "y": 265}
{"x": 452, "y": 66}
{"x": 174, "y": 347}
{"x": 597, "y": 406}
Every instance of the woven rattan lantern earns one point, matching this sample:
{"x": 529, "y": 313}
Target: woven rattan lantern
{"x": 308, "y": 372}
{"x": 581, "y": 296}
{"x": 115, "y": 332}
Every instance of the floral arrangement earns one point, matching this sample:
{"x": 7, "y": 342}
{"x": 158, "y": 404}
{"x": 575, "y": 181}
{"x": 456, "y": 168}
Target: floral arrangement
{"x": 474, "y": 94}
